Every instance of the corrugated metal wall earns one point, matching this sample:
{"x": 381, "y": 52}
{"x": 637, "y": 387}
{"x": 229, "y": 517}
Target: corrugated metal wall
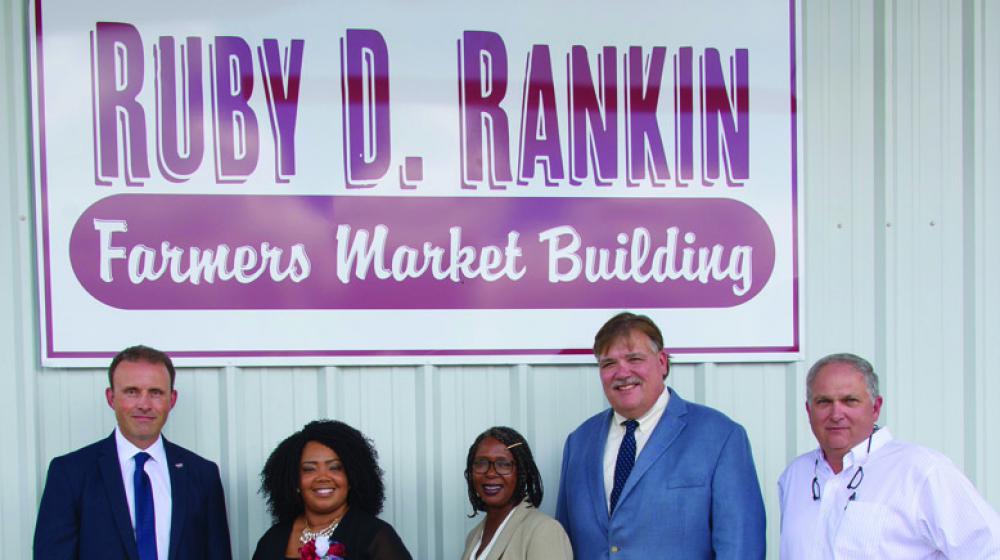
{"x": 900, "y": 110}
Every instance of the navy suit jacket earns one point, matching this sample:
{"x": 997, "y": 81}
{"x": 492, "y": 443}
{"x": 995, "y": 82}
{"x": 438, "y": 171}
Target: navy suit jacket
{"x": 84, "y": 513}
{"x": 693, "y": 492}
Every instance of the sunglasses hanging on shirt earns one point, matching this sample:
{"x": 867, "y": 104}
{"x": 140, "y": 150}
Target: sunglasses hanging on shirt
{"x": 852, "y": 485}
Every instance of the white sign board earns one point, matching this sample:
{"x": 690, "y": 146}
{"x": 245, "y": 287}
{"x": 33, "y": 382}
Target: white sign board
{"x": 251, "y": 182}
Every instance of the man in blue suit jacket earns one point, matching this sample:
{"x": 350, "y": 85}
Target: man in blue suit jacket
{"x": 87, "y": 511}
{"x": 656, "y": 476}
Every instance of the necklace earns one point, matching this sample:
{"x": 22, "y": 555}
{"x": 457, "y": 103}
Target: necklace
{"x": 309, "y": 535}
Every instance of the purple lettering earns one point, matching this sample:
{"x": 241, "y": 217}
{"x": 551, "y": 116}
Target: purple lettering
{"x": 540, "y": 143}
{"x": 643, "y": 143}
{"x": 179, "y": 152}
{"x": 593, "y": 116}
{"x": 235, "y": 124}
{"x": 364, "y": 66}
{"x": 116, "y": 74}
{"x": 718, "y": 106}
{"x": 281, "y": 86}
{"x": 485, "y": 134}
{"x": 684, "y": 115}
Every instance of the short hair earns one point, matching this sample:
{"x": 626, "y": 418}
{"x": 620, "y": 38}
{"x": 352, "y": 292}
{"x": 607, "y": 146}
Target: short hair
{"x": 859, "y": 365}
{"x": 623, "y": 324}
{"x": 141, "y": 353}
{"x": 279, "y": 479}
{"x": 529, "y": 480}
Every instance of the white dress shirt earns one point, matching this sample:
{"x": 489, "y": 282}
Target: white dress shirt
{"x": 159, "y": 476}
{"x": 616, "y": 433}
{"x": 910, "y": 503}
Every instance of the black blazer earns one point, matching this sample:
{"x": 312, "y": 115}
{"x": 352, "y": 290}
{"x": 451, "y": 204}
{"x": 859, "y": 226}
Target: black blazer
{"x": 366, "y": 538}
{"x": 84, "y": 513}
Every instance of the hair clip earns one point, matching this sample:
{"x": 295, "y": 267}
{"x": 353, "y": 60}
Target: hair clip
{"x": 513, "y": 445}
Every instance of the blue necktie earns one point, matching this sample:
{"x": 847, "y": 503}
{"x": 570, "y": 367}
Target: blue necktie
{"x": 145, "y": 517}
{"x": 625, "y": 462}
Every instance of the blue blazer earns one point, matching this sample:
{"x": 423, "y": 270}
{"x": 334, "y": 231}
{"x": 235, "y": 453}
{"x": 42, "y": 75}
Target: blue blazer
{"x": 84, "y": 513}
{"x": 693, "y": 492}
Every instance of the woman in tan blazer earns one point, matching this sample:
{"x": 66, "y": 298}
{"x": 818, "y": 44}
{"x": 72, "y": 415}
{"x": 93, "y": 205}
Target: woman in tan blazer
{"x": 504, "y": 482}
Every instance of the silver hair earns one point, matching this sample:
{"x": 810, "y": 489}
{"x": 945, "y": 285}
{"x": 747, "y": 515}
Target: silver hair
{"x": 859, "y": 364}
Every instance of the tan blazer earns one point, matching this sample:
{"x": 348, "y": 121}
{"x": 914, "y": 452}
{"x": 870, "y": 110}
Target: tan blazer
{"x": 529, "y": 535}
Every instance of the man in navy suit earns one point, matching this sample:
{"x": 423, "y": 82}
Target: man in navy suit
{"x": 656, "y": 476}
{"x": 97, "y": 504}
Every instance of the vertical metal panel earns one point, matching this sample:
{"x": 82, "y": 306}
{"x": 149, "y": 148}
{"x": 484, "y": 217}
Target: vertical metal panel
{"x": 840, "y": 189}
{"x": 901, "y": 131}
{"x": 924, "y": 198}
{"x": 560, "y": 399}
{"x": 19, "y": 470}
{"x": 983, "y": 248}
{"x": 839, "y": 182}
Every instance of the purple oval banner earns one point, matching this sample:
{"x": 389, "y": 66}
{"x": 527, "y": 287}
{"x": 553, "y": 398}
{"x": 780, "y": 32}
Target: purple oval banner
{"x": 354, "y": 252}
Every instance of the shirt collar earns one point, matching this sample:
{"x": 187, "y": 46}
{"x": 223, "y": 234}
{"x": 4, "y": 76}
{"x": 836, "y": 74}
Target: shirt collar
{"x": 127, "y": 450}
{"x": 648, "y": 421}
{"x": 859, "y": 453}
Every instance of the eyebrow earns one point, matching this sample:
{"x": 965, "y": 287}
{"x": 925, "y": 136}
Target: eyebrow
{"x": 817, "y": 396}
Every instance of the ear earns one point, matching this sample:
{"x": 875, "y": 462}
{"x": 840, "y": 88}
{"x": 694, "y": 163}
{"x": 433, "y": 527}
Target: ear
{"x": 878, "y": 407}
{"x": 664, "y": 360}
{"x": 173, "y": 398}
{"x": 109, "y": 394}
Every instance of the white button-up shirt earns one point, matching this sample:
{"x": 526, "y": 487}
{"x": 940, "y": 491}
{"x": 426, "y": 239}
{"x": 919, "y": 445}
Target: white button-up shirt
{"x": 616, "y": 433}
{"x": 910, "y": 503}
{"x": 159, "y": 477}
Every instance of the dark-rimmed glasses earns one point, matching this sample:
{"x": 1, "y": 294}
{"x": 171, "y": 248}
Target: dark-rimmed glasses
{"x": 501, "y": 466}
{"x": 852, "y": 485}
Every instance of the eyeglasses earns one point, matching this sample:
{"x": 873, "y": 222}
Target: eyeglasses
{"x": 852, "y": 485}
{"x": 501, "y": 466}
{"x": 859, "y": 476}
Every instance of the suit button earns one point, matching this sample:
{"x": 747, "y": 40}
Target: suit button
{"x": 614, "y": 549}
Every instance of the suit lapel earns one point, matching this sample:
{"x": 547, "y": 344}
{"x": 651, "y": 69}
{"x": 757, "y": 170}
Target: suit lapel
{"x": 111, "y": 476}
{"x": 503, "y": 539}
{"x": 670, "y": 426}
{"x": 178, "y": 495}
{"x": 596, "y": 442}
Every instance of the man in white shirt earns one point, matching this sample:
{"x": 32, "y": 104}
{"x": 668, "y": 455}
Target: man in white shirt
{"x": 863, "y": 494}
{"x": 656, "y": 476}
{"x": 134, "y": 494}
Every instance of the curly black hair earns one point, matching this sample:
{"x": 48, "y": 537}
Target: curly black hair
{"x": 529, "y": 481}
{"x": 279, "y": 480}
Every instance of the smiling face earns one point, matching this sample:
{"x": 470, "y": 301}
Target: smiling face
{"x": 323, "y": 482}
{"x": 841, "y": 412}
{"x": 142, "y": 399}
{"x": 632, "y": 374}
{"x": 495, "y": 489}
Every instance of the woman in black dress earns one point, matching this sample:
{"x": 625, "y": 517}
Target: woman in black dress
{"x": 324, "y": 489}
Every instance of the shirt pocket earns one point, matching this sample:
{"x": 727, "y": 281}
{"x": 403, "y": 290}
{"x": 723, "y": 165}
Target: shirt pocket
{"x": 862, "y": 531}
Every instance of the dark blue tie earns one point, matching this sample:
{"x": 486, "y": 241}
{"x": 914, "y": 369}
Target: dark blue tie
{"x": 145, "y": 518}
{"x": 626, "y": 459}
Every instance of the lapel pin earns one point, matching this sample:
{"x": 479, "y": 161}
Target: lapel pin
{"x": 179, "y": 465}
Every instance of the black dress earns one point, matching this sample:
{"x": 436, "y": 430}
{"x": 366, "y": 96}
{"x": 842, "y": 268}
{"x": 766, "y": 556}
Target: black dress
{"x": 366, "y": 538}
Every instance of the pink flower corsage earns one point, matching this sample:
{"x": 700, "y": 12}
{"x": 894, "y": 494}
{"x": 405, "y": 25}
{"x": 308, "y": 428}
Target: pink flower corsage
{"x": 321, "y": 548}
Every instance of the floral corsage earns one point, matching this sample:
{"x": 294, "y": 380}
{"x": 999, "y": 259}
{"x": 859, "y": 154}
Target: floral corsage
{"x": 321, "y": 548}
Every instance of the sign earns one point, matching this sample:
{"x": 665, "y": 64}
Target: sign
{"x": 240, "y": 182}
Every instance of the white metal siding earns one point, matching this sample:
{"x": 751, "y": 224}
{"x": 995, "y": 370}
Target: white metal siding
{"x": 900, "y": 110}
